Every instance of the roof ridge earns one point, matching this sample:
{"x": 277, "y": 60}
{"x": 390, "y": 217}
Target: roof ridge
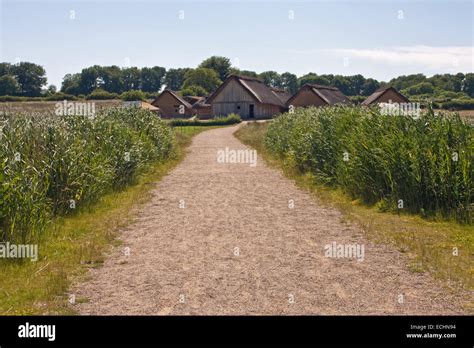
{"x": 251, "y": 91}
{"x": 177, "y": 96}
{"x": 378, "y": 93}
{"x": 256, "y": 88}
{"x": 322, "y": 96}
{"x": 321, "y": 86}
{"x": 381, "y": 89}
{"x": 243, "y": 77}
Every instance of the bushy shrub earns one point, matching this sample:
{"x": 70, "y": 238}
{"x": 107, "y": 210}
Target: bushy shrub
{"x": 151, "y": 95}
{"x": 100, "y": 94}
{"x": 357, "y": 99}
{"x": 133, "y": 95}
{"x": 458, "y": 104}
{"x": 194, "y": 91}
{"x": 60, "y": 96}
{"x": 420, "y": 88}
{"x": 11, "y": 98}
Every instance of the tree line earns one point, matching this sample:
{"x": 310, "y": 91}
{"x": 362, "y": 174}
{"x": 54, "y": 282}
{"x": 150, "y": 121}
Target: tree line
{"x": 29, "y": 80}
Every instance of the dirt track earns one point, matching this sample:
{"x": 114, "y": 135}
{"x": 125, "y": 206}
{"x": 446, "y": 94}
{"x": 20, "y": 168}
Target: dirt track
{"x": 185, "y": 261}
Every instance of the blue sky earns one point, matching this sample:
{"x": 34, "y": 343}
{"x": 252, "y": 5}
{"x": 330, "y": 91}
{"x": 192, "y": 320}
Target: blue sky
{"x": 379, "y": 39}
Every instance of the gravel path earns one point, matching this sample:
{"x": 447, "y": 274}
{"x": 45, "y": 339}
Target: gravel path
{"x": 239, "y": 246}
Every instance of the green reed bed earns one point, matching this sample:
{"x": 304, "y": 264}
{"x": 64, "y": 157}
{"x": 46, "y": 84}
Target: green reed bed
{"x": 420, "y": 165}
{"x": 51, "y": 165}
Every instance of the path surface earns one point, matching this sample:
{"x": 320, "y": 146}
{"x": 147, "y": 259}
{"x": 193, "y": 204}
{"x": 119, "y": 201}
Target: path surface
{"x": 185, "y": 261}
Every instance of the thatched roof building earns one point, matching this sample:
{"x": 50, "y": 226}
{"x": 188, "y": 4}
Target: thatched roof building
{"x": 385, "y": 95}
{"x": 317, "y": 95}
{"x": 282, "y": 94}
{"x": 247, "y": 96}
{"x": 172, "y": 105}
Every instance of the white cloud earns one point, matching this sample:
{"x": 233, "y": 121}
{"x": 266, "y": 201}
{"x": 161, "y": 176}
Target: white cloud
{"x": 459, "y": 58}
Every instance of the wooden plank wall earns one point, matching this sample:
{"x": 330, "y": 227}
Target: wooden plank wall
{"x": 234, "y": 96}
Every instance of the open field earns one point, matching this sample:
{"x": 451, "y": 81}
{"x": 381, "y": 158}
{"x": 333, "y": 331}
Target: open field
{"x": 50, "y": 106}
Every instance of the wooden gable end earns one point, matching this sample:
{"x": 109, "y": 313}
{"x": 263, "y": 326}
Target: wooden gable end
{"x": 306, "y": 97}
{"x": 233, "y": 92}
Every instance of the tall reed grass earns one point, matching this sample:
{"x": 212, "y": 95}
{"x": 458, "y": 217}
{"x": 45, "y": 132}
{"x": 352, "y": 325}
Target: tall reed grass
{"x": 51, "y": 165}
{"x": 421, "y": 165}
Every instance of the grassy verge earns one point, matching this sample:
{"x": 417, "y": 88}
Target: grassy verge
{"x": 73, "y": 244}
{"x": 430, "y": 244}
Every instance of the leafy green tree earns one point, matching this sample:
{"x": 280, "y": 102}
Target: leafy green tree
{"x": 90, "y": 79}
{"x": 369, "y": 87}
{"x": 152, "y": 78}
{"x": 446, "y": 82}
{"x": 71, "y": 84}
{"x": 421, "y": 88}
{"x": 405, "y": 81}
{"x": 289, "y": 82}
{"x": 341, "y": 83}
{"x": 271, "y": 78}
{"x": 314, "y": 79}
{"x": 51, "y": 89}
{"x": 221, "y": 65}
{"x": 9, "y": 85}
{"x": 30, "y": 77}
{"x": 194, "y": 91}
{"x": 111, "y": 76}
{"x": 356, "y": 82}
{"x": 234, "y": 71}
{"x": 468, "y": 85}
{"x": 248, "y": 73}
{"x": 174, "y": 78}
{"x": 131, "y": 79}
{"x": 204, "y": 77}
{"x": 5, "y": 69}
